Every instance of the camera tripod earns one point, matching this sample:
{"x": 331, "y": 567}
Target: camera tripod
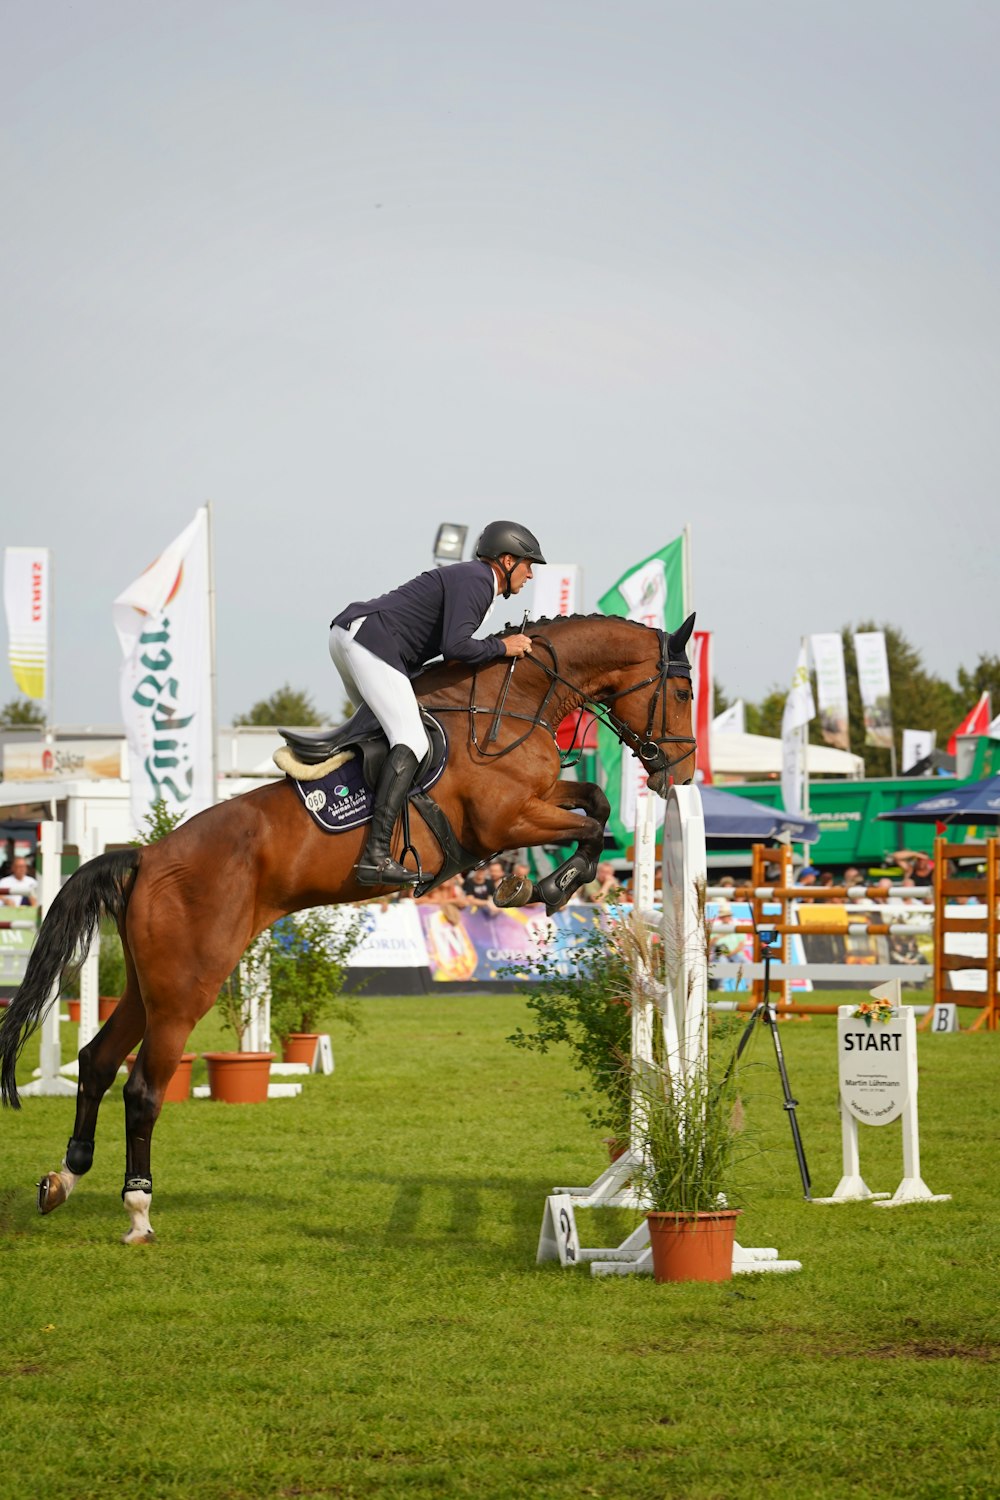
{"x": 764, "y": 1012}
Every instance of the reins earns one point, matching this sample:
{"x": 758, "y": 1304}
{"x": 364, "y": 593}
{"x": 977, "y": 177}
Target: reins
{"x": 647, "y": 746}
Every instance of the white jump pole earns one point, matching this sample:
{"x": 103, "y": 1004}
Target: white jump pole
{"x": 91, "y": 846}
{"x": 48, "y": 1080}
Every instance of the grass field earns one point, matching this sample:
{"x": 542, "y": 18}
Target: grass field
{"x": 343, "y": 1300}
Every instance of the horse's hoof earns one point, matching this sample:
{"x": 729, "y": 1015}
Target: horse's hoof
{"x": 139, "y": 1237}
{"x": 51, "y": 1193}
{"x": 513, "y": 890}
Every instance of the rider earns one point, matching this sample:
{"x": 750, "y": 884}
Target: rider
{"x": 377, "y": 645}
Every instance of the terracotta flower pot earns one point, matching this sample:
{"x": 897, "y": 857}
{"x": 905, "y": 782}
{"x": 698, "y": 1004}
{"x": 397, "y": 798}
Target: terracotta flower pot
{"x": 239, "y": 1077}
{"x": 300, "y": 1047}
{"x": 179, "y": 1087}
{"x": 616, "y": 1147}
{"x": 693, "y": 1247}
{"x": 105, "y": 1006}
{"x": 73, "y": 1006}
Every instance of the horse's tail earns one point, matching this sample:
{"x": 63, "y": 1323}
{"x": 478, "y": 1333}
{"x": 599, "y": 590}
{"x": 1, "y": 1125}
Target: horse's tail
{"x": 99, "y": 888}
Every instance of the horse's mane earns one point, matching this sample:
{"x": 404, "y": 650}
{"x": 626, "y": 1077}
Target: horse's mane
{"x": 546, "y": 620}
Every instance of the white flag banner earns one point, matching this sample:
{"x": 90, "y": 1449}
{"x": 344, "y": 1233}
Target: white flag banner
{"x": 645, "y": 593}
{"x": 799, "y": 709}
{"x": 26, "y": 596}
{"x": 873, "y": 680}
{"x": 558, "y": 590}
{"x": 732, "y": 720}
{"x": 917, "y": 745}
{"x": 831, "y": 688}
{"x": 164, "y": 629}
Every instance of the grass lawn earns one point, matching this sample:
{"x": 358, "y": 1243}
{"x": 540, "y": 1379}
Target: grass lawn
{"x": 343, "y": 1300}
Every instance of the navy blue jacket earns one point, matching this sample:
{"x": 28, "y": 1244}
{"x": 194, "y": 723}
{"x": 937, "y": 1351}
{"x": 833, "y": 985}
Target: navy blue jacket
{"x": 433, "y": 615}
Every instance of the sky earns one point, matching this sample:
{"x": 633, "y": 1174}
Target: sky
{"x": 349, "y": 270}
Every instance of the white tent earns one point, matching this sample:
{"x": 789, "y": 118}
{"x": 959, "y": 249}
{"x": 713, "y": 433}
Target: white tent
{"x": 739, "y": 756}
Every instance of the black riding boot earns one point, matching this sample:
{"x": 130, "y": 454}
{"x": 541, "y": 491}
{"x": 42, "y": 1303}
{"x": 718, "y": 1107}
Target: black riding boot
{"x": 376, "y": 865}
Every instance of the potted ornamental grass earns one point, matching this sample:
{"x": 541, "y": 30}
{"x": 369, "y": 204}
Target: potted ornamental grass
{"x": 687, "y": 1131}
{"x": 688, "y": 1125}
{"x": 309, "y": 954}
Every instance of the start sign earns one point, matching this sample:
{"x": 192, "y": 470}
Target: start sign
{"x": 873, "y": 1062}
{"x": 877, "y": 1062}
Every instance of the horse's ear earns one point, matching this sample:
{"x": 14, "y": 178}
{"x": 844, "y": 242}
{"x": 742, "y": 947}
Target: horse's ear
{"x": 679, "y": 638}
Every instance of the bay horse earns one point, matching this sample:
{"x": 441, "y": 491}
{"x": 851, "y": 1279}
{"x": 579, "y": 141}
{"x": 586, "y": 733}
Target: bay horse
{"x": 188, "y": 906}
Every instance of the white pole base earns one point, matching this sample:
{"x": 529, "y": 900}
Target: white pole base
{"x": 274, "y": 1091}
{"x": 914, "y": 1190}
{"x": 851, "y": 1190}
{"x": 48, "y": 1088}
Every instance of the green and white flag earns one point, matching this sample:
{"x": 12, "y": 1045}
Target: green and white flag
{"x": 653, "y": 592}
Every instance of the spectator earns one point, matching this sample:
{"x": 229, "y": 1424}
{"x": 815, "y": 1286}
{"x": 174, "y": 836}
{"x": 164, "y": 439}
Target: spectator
{"x": 19, "y": 888}
{"x": 604, "y": 888}
{"x": 852, "y": 876}
{"x": 479, "y": 885}
{"x": 808, "y": 875}
{"x": 451, "y": 898}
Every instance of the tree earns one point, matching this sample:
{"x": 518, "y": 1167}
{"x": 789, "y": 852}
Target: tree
{"x": 287, "y": 706}
{"x": 21, "y": 711}
{"x": 984, "y": 678}
{"x": 765, "y": 717}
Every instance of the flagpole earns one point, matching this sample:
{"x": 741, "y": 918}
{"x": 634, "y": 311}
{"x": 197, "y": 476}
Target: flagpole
{"x": 687, "y": 574}
{"x": 211, "y": 648}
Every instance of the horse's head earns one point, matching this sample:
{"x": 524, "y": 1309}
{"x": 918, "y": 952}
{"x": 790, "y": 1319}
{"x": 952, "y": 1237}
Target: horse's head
{"x": 656, "y": 704}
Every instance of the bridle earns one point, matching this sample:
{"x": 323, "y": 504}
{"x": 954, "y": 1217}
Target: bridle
{"x": 648, "y": 746}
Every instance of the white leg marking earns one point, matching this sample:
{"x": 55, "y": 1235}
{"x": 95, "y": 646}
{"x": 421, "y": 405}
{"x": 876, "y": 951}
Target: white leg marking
{"x": 138, "y": 1205}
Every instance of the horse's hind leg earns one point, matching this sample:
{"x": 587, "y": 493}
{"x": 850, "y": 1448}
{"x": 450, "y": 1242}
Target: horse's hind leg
{"x": 161, "y": 1051}
{"x": 100, "y": 1060}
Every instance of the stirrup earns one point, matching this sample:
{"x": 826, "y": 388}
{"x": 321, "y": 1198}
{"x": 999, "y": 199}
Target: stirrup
{"x": 384, "y": 872}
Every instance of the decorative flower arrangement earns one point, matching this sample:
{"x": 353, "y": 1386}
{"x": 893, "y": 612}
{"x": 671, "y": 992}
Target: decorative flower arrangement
{"x": 874, "y": 1010}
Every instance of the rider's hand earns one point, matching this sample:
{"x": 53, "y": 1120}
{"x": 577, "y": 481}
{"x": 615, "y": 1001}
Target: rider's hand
{"x": 517, "y": 645}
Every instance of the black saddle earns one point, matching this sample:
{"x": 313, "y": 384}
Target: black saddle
{"x": 365, "y": 736}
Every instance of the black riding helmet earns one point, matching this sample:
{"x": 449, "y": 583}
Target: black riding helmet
{"x": 508, "y": 536}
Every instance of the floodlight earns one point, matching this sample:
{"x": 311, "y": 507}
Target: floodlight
{"x": 449, "y": 544}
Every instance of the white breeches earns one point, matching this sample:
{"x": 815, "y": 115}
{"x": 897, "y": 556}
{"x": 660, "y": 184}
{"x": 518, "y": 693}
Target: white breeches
{"x": 387, "y": 692}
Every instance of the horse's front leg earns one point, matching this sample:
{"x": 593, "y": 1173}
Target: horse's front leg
{"x": 554, "y": 820}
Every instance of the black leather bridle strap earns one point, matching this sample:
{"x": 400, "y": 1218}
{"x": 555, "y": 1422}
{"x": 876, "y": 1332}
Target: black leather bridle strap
{"x": 647, "y": 747}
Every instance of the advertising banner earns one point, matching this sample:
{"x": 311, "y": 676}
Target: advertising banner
{"x": 392, "y": 936}
{"x": 917, "y": 745}
{"x": 831, "y": 688}
{"x": 873, "y": 681}
{"x": 653, "y": 593}
{"x": 63, "y": 760}
{"x": 484, "y": 943}
{"x": 799, "y": 709}
{"x": 558, "y": 590}
{"x": 27, "y": 588}
{"x": 164, "y": 628}
{"x": 703, "y": 685}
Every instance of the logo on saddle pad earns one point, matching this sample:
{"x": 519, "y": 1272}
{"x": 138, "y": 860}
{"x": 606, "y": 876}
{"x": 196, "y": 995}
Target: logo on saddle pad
{"x": 317, "y": 799}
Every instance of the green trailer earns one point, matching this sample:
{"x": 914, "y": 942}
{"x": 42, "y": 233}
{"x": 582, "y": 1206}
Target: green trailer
{"x": 846, "y": 812}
